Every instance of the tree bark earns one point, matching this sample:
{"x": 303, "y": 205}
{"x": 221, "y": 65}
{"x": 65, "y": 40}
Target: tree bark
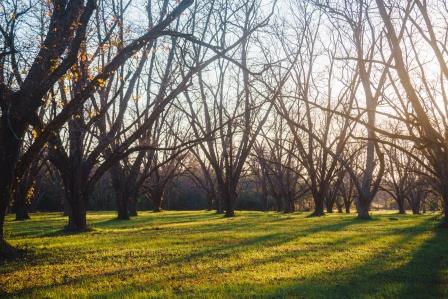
{"x": 210, "y": 199}
{"x": 339, "y": 208}
{"x": 157, "y": 199}
{"x": 132, "y": 206}
{"x": 415, "y": 210}
{"x": 279, "y": 203}
{"x": 264, "y": 197}
{"x": 219, "y": 205}
{"x": 445, "y": 220}
{"x": 362, "y": 208}
{"x": 11, "y": 134}
{"x": 400, "y": 202}
{"x": 229, "y": 202}
{"x": 122, "y": 206}
{"x": 318, "y": 205}
{"x": 20, "y": 202}
{"x": 77, "y": 221}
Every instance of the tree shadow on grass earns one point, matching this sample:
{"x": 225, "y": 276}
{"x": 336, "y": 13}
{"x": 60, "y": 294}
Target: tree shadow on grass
{"x": 423, "y": 276}
{"x": 223, "y": 250}
{"x": 353, "y": 282}
{"x": 159, "y": 219}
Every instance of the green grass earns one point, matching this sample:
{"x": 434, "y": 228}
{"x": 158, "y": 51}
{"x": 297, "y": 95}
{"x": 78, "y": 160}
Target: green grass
{"x": 255, "y": 254}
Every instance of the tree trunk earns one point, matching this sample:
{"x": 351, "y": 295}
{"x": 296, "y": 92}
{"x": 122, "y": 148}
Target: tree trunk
{"x": 210, "y": 199}
{"x": 219, "y": 205}
{"x": 362, "y": 207}
{"x": 279, "y": 203}
{"x": 78, "y": 211}
{"x": 229, "y": 202}
{"x": 264, "y": 197}
{"x": 444, "y": 194}
{"x": 318, "y": 205}
{"x": 339, "y": 209}
{"x": 347, "y": 209}
{"x": 122, "y": 206}
{"x": 445, "y": 211}
{"x": 132, "y": 206}
{"x": 66, "y": 207}
{"x": 415, "y": 210}
{"x": 293, "y": 207}
{"x": 5, "y": 249}
{"x": 400, "y": 203}
{"x": 20, "y": 203}
{"x": 11, "y": 136}
{"x": 157, "y": 199}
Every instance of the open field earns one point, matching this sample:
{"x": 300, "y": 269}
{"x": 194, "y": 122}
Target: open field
{"x": 255, "y": 254}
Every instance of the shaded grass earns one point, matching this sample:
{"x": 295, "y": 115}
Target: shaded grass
{"x": 202, "y": 254}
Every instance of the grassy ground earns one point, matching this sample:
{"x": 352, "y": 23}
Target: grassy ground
{"x": 203, "y": 255}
